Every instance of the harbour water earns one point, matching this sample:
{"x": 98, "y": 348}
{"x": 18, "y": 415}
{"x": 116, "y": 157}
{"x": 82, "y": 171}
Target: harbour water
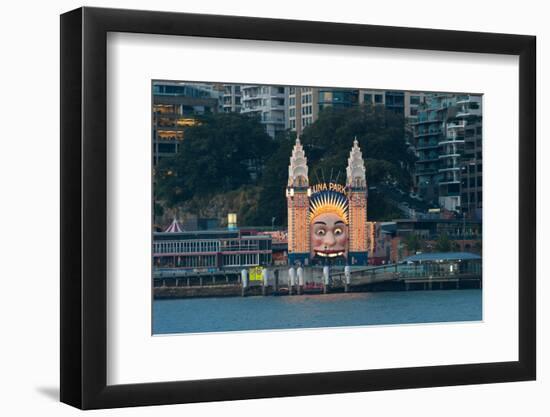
{"x": 200, "y": 315}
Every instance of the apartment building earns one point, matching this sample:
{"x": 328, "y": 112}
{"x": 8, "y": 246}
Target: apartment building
{"x": 268, "y": 103}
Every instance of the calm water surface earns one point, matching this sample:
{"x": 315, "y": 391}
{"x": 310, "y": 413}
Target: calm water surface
{"x": 331, "y": 310}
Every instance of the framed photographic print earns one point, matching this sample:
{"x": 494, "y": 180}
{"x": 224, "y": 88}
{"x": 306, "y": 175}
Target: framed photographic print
{"x": 256, "y": 208}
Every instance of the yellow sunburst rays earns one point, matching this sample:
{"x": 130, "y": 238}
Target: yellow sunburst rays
{"x": 328, "y": 202}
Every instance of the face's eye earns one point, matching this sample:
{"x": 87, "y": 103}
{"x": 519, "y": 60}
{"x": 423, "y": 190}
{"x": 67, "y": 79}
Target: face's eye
{"x": 338, "y": 231}
{"x": 320, "y": 232}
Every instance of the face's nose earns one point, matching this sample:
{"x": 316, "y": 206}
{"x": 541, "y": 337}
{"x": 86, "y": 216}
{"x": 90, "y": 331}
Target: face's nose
{"x": 329, "y": 240}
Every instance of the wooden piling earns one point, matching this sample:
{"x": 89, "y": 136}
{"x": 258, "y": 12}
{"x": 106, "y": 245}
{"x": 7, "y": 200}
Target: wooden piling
{"x": 244, "y": 282}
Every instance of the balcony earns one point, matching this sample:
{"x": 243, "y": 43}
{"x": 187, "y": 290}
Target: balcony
{"x": 449, "y": 169}
{"x": 426, "y": 145}
{"x": 450, "y": 141}
{"x": 430, "y": 132}
{"x": 273, "y": 121}
{"x": 469, "y": 112}
{"x": 456, "y": 125}
{"x": 425, "y": 171}
{"x": 427, "y": 159}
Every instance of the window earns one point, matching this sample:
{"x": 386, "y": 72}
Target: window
{"x": 367, "y": 98}
{"x": 378, "y": 98}
{"x": 414, "y": 100}
{"x": 326, "y": 96}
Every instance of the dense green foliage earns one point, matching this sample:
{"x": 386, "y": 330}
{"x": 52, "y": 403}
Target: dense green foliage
{"x": 218, "y": 157}
{"x": 381, "y": 137}
{"x": 414, "y": 243}
{"x": 443, "y": 243}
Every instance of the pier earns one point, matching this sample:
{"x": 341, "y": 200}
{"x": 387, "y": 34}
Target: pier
{"x": 420, "y": 273}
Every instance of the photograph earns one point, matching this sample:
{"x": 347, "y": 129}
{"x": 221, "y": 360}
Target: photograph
{"x": 279, "y": 207}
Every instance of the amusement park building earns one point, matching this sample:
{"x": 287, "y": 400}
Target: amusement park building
{"x": 210, "y": 249}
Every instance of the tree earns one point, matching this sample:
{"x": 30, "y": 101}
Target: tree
{"x": 380, "y": 133}
{"x": 229, "y": 157}
{"x": 272, "y": 200}
{"x": 219, "y": 154}
{"x": 413, "y": 243}
{"x": 443, "y": 243}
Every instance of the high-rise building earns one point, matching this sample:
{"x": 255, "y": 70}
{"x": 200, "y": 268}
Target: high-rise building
{"x": 447, "y": 136}
{"x": 337, "y": 98}
{"x": 305, "y": 103}
{"x": 404, "y": 103}
{"x": 231, "y": 101}
{"x": 268, "y": 103}
{"x": 302, "y": 107}
{"x": 176, "y": 107}
{"x": 472, "y": 162}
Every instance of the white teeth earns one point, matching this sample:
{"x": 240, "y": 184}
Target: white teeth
{"x": 330, "y": 255}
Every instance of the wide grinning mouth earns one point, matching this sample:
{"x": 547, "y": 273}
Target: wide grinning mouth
{"x": 330, "y": 253}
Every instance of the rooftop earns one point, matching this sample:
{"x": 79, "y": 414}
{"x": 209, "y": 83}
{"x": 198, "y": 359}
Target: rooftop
{"x": 442, "y": 256}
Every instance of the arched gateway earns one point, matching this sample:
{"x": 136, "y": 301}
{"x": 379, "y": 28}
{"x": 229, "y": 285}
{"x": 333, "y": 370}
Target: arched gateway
{"x": 327, "y": 221}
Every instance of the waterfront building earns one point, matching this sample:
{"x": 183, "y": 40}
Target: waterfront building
{"x": 176, "y": 106}
{"x": 442, "y": 264}
{"x": 267, "y": 103}
{"x": 432, "y": 229}
{"x": 210, "y": 250}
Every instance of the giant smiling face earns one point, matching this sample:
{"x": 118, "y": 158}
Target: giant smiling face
{"x": 329, "y": 236}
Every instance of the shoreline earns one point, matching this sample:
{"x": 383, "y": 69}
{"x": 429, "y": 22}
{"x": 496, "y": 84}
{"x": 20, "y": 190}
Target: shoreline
{"x": 236, "y": 290}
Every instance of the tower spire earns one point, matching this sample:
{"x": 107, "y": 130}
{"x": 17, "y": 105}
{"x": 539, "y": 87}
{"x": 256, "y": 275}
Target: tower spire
{"x": 297, "y": 169}
{"x": 355, "y": 171}
{"x": 357, "y": 185}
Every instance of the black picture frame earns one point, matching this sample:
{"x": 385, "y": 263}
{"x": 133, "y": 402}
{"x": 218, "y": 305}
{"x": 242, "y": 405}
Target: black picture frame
{"x": 84, "y": 207}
